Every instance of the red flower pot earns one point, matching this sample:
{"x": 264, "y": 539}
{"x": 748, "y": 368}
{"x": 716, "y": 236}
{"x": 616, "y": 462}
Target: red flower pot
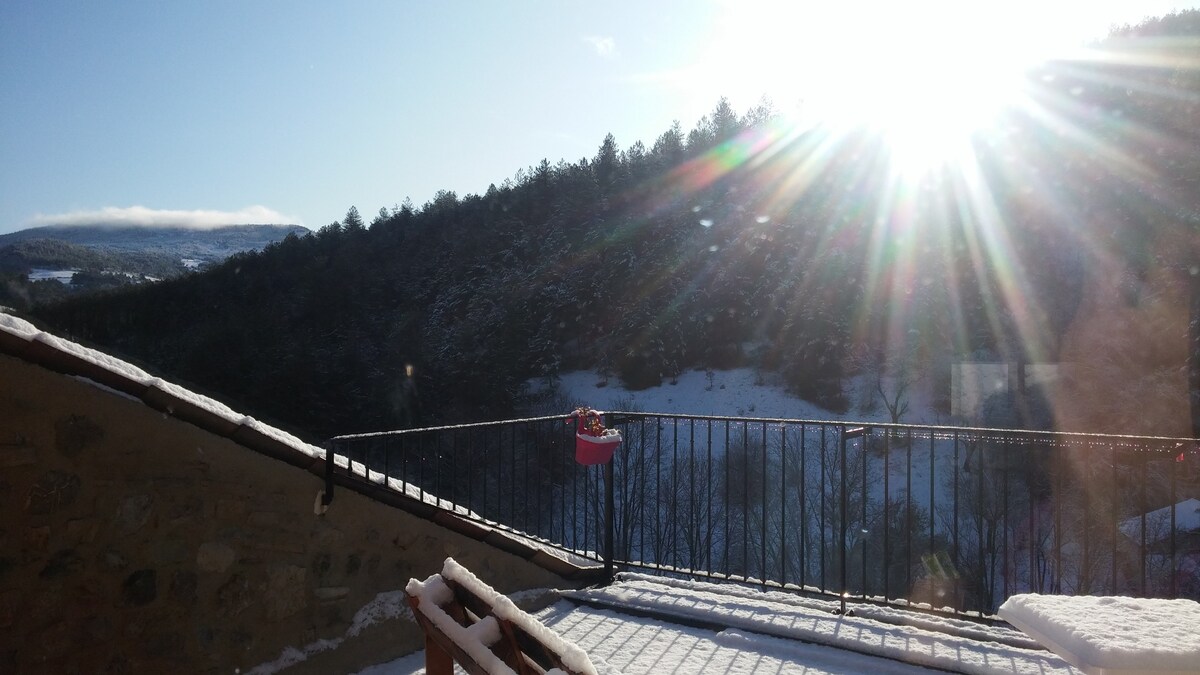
{"x": 596, "y": 449}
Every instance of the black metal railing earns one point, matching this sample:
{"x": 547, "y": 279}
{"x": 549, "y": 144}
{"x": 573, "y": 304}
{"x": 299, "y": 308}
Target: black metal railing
{"x": 956, "y": 519}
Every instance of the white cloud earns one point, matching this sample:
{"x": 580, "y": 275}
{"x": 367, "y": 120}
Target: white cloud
{"x": 143, "y": 216}
{"x": 605, "y": 46}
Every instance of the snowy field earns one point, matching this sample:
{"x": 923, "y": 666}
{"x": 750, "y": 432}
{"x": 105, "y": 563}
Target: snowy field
{"x": 740, "y": 392}
{"x": 744, "y": 392}
{"x": 61, "y": 276}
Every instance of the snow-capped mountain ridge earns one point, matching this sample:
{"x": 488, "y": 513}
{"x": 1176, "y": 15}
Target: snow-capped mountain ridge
{"x": 184, "y": 243}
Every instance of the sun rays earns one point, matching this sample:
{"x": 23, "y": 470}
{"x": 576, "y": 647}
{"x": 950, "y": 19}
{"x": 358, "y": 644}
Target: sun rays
{"x": 944, "y": 177}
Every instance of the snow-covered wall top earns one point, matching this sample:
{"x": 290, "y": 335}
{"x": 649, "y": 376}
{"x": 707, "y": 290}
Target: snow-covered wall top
{"x": 22, "y": 330}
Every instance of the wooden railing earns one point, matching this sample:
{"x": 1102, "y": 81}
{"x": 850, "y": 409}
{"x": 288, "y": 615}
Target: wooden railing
{"x": 467, "y": 622}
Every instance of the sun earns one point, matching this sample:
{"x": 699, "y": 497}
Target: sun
{"x": 924, "y": 75}
{"x": 926, "y": 93}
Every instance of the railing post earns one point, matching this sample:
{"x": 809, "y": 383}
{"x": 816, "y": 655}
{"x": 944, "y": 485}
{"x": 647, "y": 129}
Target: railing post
{"x": 609, "y": 520}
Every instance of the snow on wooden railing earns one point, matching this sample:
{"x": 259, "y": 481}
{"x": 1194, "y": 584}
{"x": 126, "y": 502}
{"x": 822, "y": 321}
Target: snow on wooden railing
{"x": 467, "y": 621}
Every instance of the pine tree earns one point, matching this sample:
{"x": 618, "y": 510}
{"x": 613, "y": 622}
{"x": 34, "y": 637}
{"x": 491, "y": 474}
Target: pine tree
{"x": 353, "y": 222}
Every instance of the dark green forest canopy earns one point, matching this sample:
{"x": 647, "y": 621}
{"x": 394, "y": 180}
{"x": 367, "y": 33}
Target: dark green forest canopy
{"x": 744, "y": 241}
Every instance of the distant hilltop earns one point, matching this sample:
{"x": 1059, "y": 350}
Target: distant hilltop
{"x": 207, "y": 244}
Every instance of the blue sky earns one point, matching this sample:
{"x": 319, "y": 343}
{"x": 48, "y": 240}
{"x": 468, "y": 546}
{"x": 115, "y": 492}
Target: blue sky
{"x": 297, "y": 110}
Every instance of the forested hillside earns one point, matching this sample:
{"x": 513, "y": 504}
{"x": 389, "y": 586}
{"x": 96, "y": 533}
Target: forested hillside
{"x": 96, "y": 270}
{"x": 109, "y": 256}
{"x": 746, "y": 240}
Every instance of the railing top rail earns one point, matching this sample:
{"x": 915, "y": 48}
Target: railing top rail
{"x": 922, "y": 430}
{"x": 448, "y": 427}
{"x": 938, "y": 430}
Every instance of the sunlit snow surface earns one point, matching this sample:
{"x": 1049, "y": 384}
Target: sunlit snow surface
{"x": 1112, "y": 635}
{"x": 61, "y": 276}
{"x": 619, "y": 643}
{"x": 740, "y": 392}
{"x": 767, "y": 633}
{"x": 1158, "y": 522}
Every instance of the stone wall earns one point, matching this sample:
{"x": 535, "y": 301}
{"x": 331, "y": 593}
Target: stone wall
{"x": 134, "y": 542}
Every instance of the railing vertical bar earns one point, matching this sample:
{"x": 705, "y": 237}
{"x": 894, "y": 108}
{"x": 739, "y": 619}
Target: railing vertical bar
{"x": 728, "y": 462}
{"x": 485, "y": 472}
{"x": 957, "y": 559}
{"x": 1174, "y": 469}
{"x": 824, "y": 530}
{"x": 843, "y": 516}
{"x": 465, "y": 449}
{"x": 570, "y": 488}
{"x": 862, "y": 446}
{"x": 529, "y": 445}
{"x": 803, "y": 544}
{"x": 423, "y": 468}
{"x": 932, "y": 503}
{"x": 512, "y": 476}
{"x": 559, "y": 487}
{"x": 1004, "y": 519}
{"x": 762, "y": 572}
{"x": 451, "y": 491}
{"x": 539, "y": 441}
{"x": 783, "y": 528}
{"x": 697, "y": 540}
{"x": 432, "y": 459}
{"x": 470, "y": 470}
{"x": 745, "y": 501}
{"x": 887, "y": 518}
{"x": 403, "y": 442}
{"x": 609, "y": 517}
{"x": 1033, "y": 585}
{"x": 570, "y": 477}
{"x": 708, "y": 498}
{"x": 642, "y": 493}
{"x": 551, "y": 462}
{"x": 1084, "y": 575}
{"x": 674, "y": 487}
{"x": 908, "y": 507}
{"x": 399, "y": 446}
{"x": 439, "y": 469}
{"x": 330, "y": 454}
{"x": 1056, "y": 585}
{"x": 1114, "y": 509}
{"x": 589, "y": 497}
{"x": 658, "y": 506}
{"x": 1143, "y": 460}
{"x": 387, "y": 459}
{"x": 987, "y": 570}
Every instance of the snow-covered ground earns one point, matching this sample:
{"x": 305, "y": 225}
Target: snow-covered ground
{"x": 745, "y": 392}
{"x": 755, "y": 632}
{"x": 740, "y": 392}
{"x": 43, "y": 274}
{"x": 632, "y": 645}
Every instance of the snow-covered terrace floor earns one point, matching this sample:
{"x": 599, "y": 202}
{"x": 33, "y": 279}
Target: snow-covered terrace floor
{"x": 643, "y": 624}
